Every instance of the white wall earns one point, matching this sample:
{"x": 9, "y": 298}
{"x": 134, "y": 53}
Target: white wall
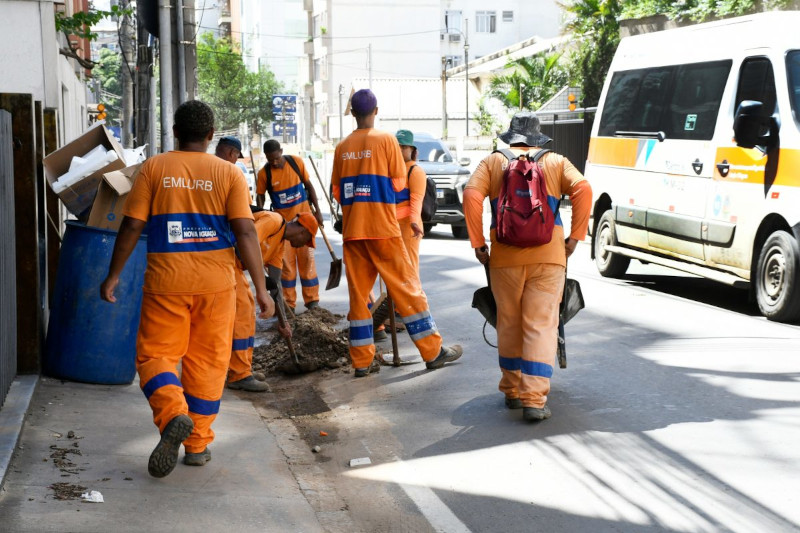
{"x": 540, "y": 18}
{"x": 31, "y": 63}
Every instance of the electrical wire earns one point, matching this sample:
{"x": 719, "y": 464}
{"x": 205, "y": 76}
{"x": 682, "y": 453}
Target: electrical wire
{"x": 326, "y": 36}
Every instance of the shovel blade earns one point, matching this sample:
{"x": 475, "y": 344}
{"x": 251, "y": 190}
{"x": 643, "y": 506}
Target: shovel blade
{"x": 335, "y": 275}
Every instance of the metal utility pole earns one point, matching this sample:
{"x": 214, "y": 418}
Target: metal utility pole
{"x": 341, "y": 111}
{"x": 144, "y": 68}
{"x": 181, "y": 52}
{"x": 444, "y": 97}
{"x": 466, "y": 66}
{"x": 521, "y": 93}
{"x": 126, "y": 44}
{"x": 165, "y": 63}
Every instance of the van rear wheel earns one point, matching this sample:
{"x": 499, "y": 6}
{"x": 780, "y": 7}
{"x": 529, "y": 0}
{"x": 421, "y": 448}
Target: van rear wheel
{"x": 777, "y": 282}
{"x": 609, "y": 264}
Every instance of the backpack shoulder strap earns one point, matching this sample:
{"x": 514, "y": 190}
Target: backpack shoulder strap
{"x": 268, "y": 173}
{"x": 409, "y": 171}
{"x": 508, "y": 154}
{"x": 292, "y": 163}
{"x": 538, "y": 155}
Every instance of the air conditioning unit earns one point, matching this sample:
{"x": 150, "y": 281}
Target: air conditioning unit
{"x": 455, "y": 37}
{"x": 441, "y": 36}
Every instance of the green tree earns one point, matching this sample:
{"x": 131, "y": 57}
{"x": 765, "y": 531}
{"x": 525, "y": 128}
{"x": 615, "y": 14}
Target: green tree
{"x": 701, "y": 10}
{"x": 236, "y": 95}
{"x": 108, "y": 75}
{"x": 534, "y": 79}
{"x": 488, "y": 122}
{"x": 80, "y": 24}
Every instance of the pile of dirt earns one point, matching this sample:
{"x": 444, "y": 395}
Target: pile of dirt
{"x": 67, "y": 491}
{"x": 316, "y": 342}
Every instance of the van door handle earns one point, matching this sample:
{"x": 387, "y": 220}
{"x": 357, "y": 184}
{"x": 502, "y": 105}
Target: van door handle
{"x": 697, "y": 166}
{"x": 723, "y": 168}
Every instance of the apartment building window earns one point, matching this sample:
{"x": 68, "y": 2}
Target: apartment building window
{"x": 485, "y": 21}
{"x": 453, "y": 61}
{"x": 320, "y": 69}
{"x": 452, "y": 21}
{"x": 508, "y": 16}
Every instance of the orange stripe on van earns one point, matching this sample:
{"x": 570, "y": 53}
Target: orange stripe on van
{"x": 613, "y": 151}
{"x": 747, "y": 166}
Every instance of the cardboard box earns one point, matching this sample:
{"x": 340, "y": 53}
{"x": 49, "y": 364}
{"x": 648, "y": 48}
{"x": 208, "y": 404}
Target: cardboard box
{"x": 78, "y": 197}
{"x": 106, "y": 211}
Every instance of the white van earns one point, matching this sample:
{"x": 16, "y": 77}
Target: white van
{"x": 694, "y": 157}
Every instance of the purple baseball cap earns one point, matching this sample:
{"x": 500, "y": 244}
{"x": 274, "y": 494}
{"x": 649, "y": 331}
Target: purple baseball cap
{"x": 363, "y": 102}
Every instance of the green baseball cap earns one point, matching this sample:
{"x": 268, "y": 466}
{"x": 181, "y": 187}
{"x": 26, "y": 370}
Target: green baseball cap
{"x": 405, "y": 138}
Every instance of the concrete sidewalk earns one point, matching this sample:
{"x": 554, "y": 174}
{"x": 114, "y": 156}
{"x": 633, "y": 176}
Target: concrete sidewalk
{"x": 248, "y": 485}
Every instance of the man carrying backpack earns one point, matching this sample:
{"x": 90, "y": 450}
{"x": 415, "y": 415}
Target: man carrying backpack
{"x": 285, "y": 178}
{"x": 528, "y": 254}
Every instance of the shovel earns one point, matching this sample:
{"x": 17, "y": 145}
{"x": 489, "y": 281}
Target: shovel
{"x": 335, "y": 273}
{"x": 334, "y": 217}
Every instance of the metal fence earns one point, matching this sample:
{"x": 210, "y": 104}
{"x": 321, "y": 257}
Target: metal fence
{"x": 8, "y": 277}
{"x": 570, "y": 132}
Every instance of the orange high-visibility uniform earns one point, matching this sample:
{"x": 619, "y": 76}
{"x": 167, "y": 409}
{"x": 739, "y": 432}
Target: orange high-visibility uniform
{"x": 409, "y": 209}
{"x": 368, "y": 170}
{"x": 270, "y": 228}
{"x": 187, "y": 199}
{"x": 289, "y": 198}
{"x": 527, "y": 283}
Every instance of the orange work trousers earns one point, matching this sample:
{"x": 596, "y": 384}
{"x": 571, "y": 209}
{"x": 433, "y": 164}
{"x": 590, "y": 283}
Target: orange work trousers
{"x": 302, "y": 260}
{"x": 195, "y": 331}
{"x": 527, "y": 328}
{"x": 244, "y": 330}
{"x": 367, "y": 258}
{"x": 411, "y": 242}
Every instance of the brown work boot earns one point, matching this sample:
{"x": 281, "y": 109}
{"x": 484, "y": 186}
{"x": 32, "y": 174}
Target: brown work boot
{"x": 165, "y": 455}
{"x": 446, "y": 355}
{"x": 513, "y": 403}
{"x": 249, "y": 384}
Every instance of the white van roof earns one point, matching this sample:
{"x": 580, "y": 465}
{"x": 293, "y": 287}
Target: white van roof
{"x": 710, "y": 41}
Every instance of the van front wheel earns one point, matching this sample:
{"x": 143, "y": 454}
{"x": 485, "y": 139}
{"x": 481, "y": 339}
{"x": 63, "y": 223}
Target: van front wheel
{"x": 609, "y": 264}
{"x": 777, "y": 282}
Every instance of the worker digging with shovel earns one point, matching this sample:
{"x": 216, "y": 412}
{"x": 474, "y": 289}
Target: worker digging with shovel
{"x": 272, "y": 233}
{"x": 368, "y": 170}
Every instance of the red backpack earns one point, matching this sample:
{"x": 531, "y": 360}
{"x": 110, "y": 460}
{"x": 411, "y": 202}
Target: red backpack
{"x": 524, "y": 217}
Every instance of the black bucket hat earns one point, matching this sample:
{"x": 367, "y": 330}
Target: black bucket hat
{"x": 525, "y": 129}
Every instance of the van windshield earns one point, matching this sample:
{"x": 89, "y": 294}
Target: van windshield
{"x": 793, "y": 71}
{"x": 433, "y": 151}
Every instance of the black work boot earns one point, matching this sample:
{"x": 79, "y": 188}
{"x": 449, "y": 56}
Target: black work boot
{"x": 513, "y": 403}
{"x": 197, "y": 459}
{"x": 532, "y": 414}
{"x": 249, "y": 384}
{"x": 165, "y": 455}
{"x": 446, "y": 355}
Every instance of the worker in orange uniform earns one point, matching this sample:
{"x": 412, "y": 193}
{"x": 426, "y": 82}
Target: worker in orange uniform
{"x": 271, "y": 230}
{"x": 286, "y": 180}
{"x": 527, "y": 283}
{"x": 190, "y": 203}
{"x": 409, "y": 200}
{"x": 368, "y": 171}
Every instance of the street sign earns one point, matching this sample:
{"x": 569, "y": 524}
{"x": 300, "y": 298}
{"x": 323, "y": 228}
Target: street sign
{"x": 288, "y": 117}
{"x": 277, "y": 129}
{"x": 284, "y": 102}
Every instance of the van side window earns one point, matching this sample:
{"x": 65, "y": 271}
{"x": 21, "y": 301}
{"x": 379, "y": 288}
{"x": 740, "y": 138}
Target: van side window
{"x": 694, "y": 106}
{"x": 757, "y": 82}
{"x": 793, "y": 69}
{"x": 636, "y": 100}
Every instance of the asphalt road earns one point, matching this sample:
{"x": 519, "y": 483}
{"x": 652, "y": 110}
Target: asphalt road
{"x": 678, "y": 412}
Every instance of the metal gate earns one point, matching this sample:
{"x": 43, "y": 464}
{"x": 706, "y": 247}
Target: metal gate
{"x": 8, "y": 277}
{"x": 570, "y": 132}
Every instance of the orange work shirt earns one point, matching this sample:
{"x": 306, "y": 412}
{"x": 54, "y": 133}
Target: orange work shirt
{"x": 368, "y": 169}
{"x": 288, "y": 194}
{"x": 562, "y": 178}
{"x": 270, "y": 228}
{"x": 409, "y": 200}
{"x": 187, "y": 199}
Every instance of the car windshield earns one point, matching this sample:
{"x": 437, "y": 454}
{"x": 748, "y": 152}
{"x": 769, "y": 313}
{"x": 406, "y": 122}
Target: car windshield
{"x": 433, "y": 151}
{"x": 793, "y": 71}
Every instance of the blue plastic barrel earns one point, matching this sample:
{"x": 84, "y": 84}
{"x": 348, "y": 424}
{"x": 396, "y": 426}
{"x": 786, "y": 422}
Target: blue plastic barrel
{"x": 88, "y": 339}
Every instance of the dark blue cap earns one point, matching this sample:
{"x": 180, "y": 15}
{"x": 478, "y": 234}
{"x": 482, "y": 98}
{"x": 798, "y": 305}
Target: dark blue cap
{"x": 230, "y": 140}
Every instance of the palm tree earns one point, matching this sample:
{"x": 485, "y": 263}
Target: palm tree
{"x": 532, "y": 81}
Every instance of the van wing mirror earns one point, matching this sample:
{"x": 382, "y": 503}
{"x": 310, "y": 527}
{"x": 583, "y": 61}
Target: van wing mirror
{"x": 751, "y": 127}
{"x": 464, "y": 161}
